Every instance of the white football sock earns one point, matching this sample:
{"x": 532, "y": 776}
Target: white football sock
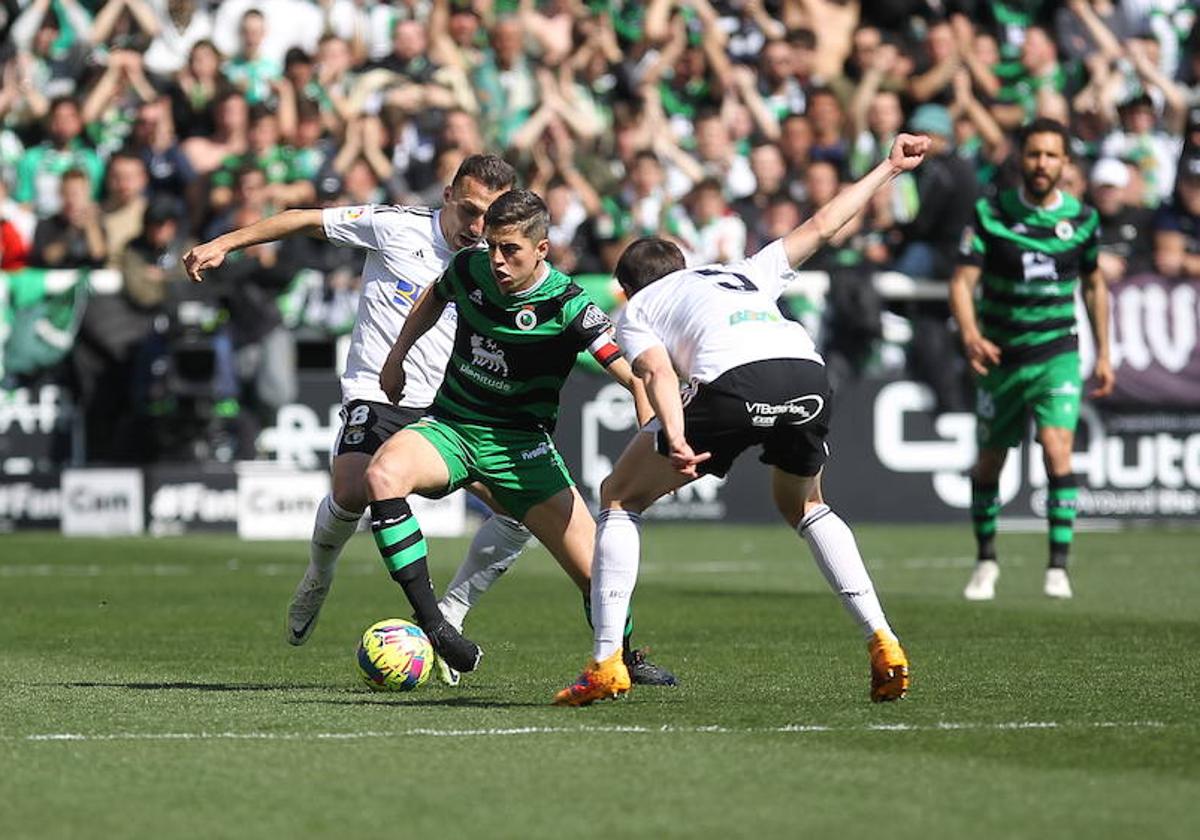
{"x": 836, "y": 553}
{"x": 614, "y": 575}
{"x": 495, "y": 548}
{"x": 332, "y": 530}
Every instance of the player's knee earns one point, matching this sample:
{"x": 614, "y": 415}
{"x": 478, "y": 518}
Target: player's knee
{"x": 616, "y": 493}
{"x": 381, "y": 481}
{"x": 350, "y": 495}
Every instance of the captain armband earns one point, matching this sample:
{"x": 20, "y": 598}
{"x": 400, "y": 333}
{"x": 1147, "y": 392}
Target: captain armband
{"x": 604, "y": 348}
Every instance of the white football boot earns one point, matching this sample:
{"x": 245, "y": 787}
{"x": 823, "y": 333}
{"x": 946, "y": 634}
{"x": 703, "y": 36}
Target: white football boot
{"x": 1057, "y": 584}
{"x": 982, "y": 585}
{"x": 306, "y": 603}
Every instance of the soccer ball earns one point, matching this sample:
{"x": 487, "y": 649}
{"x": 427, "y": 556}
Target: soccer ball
{"x": 394, "y": 655}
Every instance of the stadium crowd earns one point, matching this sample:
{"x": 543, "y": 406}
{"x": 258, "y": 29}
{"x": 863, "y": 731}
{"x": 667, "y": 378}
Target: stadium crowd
{"x": 134, "y": 127}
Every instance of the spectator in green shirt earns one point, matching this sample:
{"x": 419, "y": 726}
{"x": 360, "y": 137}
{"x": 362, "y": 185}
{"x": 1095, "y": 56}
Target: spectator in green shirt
{"x": 40, "y": 168}
{"x": 249, "y": 70}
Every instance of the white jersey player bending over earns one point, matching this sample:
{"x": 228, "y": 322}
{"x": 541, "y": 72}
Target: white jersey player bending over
{"x": 753, "y": 379}
{"x": 407, "y": 248}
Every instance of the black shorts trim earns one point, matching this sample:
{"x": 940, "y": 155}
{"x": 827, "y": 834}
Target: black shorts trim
{"x": 781, "y": 404}
{"x": 366, "y": 425}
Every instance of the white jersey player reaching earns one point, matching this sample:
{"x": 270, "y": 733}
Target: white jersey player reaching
{"x": 408, "y": 248}
{"x": 752, "y": 379}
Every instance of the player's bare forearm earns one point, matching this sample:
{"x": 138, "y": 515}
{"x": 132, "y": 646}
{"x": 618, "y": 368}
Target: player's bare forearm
{"x": 962, "y": 299}
{"x": 907, "y": 152}
{"x": 654, "y": 368}
{"x": 622, "y": 371}
{"x": 211, "y": 254}
{"x": 981, "y": 353}
{"x": 420, "y": 320}
{"x": 1095, "y": 300}
{"x": 281, "y": 225}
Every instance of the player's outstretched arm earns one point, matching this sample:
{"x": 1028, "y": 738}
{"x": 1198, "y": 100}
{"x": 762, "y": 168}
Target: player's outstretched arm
{"x": 653, "y": 366}
{"x": 1095, "y": 299}
{"x": 211, "y": 254}
{"x": 420, "y": 320}
{"x": 908, "y": 151}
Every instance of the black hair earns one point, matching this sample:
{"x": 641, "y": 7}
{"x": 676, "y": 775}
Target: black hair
{"x": 1044, "y": 125}
{"x": 522, "y": 209}
{"x": 493, "y": 172}
{"x": 646, "y": 260}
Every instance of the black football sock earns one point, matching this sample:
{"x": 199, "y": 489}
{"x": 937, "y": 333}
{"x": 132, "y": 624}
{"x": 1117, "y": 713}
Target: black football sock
{"x": 403, "y": 549}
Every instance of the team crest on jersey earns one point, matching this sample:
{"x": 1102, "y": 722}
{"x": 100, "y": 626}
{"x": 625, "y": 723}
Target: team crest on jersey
{"x": 526, "y": 319}
{"x": 593, "y": 316}
{"x": 485, "y": 353}
{"x": 1064, "y": 230}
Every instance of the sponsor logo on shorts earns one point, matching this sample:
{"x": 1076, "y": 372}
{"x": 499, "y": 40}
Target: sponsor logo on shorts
{"x": 1067, "y": 389}
{"x": 796, "y": 411}
{"x": 539, "y": 451}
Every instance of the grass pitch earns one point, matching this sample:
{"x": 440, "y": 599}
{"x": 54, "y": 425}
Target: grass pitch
{"x": 146, "y": 691}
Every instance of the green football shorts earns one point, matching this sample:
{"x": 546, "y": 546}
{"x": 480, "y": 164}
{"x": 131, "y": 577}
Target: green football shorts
{"x": 521, "y": 468}
{"x": 1005, "y": 397}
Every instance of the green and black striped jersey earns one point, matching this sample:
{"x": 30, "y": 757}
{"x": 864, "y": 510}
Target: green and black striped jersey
{"x": 1031, "y": 260}
{"x": 513, "y": 352}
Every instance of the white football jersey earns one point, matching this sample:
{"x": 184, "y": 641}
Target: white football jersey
{"x": 713, "y": 318}
{"x": 405, "y": 253}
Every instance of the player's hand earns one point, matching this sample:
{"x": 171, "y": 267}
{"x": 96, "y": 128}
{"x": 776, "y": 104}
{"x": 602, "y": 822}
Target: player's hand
{"x": 202, "y": 257}
{"x": 684, "y": 460}
{"x": 981, "y": 353}
{"x": 1106, "y": 380}
{"x": 391, "y": 380}
{"x": 908, "y": 151}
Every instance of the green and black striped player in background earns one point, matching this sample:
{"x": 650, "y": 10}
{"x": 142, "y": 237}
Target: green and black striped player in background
{"x": 1030, "y": 246}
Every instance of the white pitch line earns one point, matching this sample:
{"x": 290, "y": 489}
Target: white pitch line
{"x": 794, "y": 728}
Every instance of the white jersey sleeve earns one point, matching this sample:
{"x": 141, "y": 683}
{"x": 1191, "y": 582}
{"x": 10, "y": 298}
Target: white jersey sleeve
{"x": 354, "y": 226}
{"x": 769, "y": 269}
{"x": 405, "y": 253}
{"x": 634, "y": 335}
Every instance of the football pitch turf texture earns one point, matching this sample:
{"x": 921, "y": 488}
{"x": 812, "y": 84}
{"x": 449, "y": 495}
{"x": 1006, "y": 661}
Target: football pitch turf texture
{"x": 146, "y": 691}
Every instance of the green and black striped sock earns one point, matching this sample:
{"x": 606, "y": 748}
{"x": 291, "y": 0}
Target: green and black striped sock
{"x": 1061, "y": 498}
{"x": 403, "y": 549}
{"x": 985, "y": 507}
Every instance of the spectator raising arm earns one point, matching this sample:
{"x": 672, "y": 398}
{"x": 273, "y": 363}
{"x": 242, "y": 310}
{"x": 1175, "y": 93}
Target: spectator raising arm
{"x": 1152, "y": 77}
{"x": 110, "y": 13}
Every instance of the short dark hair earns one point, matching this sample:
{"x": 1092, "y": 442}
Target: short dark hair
{"x": 493, "y": 172}
{"x": 522, "y": 209}
{"x": 63, "y": 99}
{"x": 646, "y": 260}
{"x": 1044, "y": 125}
{"x": 74, "y": 174}
{"x": 803, "y": 38}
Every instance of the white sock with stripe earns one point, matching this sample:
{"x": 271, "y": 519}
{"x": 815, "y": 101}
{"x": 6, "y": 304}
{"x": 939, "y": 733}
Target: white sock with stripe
{"x": 333, "y": 528}
{"x": 496, "y": 546}
{"x": 837, "y": 556}
{"x": 614, "y": 575}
